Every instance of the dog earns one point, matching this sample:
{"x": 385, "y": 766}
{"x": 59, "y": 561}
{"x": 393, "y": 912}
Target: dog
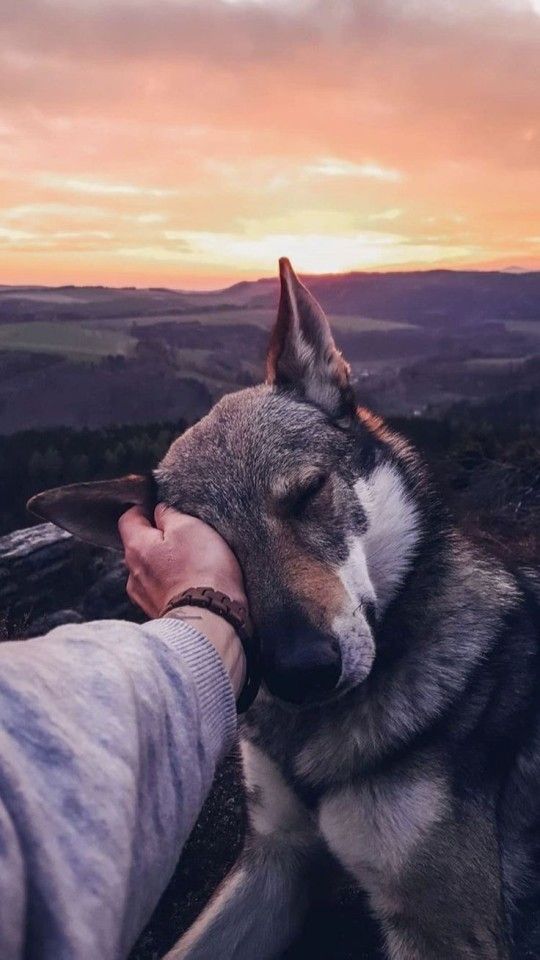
{"x": 398, "y": 727}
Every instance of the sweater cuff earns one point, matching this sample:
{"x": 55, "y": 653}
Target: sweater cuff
{"x": 214, "y": 689}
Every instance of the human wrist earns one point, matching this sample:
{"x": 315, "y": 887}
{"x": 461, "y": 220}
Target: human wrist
{"x": 221, "y": 635}
{"x": 230, "y": 588}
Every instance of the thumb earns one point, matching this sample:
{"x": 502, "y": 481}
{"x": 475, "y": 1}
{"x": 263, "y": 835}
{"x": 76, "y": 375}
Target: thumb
{"x": 166, "y": 516}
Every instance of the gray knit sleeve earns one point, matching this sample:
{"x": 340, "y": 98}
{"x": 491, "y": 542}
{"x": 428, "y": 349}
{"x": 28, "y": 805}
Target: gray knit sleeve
{"x": 110, "y": 734}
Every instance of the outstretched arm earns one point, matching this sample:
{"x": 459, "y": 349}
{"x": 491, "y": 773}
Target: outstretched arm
{"x": 110, "y": 734}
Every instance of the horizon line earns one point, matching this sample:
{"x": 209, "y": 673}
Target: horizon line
{"x": 506, "y": 271}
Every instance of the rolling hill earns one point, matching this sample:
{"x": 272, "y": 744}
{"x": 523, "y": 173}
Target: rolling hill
{"x": 418, "y": 342}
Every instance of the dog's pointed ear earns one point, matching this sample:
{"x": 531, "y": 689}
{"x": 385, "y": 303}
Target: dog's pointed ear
{"x": 91, "y": 510}
{"x": 302, "y": 353}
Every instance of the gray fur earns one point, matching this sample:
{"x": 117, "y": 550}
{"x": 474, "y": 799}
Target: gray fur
{"x": 261, "y": 904}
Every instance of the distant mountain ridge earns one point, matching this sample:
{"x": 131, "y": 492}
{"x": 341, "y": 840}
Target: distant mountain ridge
{"x": 420, "y": 296}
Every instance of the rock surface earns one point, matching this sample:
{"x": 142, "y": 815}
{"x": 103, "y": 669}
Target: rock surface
{"x": 48, "y": 578}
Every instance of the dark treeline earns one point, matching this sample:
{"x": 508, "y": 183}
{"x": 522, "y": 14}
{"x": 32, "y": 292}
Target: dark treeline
{"x": 33, "y": 460}
{"x": 486, "y": 460}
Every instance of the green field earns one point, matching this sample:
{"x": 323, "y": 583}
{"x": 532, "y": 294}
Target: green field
{"x": 354, "y": 323}
{"x": 257, "y": 317}
{"x": 495, "y": 363}
{"x": 73, "y": 340}
{"x": 531, "y": 327}
{"x": 260, "y": 317}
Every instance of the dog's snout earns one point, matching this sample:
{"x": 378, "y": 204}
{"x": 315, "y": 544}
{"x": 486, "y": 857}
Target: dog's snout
{"x": 309, "y": 682}
{"x": 301, "y": 665}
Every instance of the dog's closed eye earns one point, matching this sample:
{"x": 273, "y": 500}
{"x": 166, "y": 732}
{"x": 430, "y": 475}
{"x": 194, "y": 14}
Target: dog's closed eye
{"x": 294, "y": 493}
{"x": 304, "y": 495}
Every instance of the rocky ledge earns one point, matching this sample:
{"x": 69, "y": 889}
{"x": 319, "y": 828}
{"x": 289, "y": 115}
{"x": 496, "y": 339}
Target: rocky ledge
{"x": 48, "y": 578}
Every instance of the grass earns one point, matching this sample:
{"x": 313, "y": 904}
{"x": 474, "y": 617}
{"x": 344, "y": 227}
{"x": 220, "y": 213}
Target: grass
{"x": 531, "y": 327}
{"x": 49, "y": 296}
{"x": 260, "y": 317}
{"x": 73, "y": 340}
{"x": 494, "y": 362}
{"x": 256, "y": 317}
{"x": 356, "y": 324}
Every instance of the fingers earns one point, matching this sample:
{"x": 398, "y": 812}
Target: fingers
{"x": 166, "y": 518}
{"x": 134, "y": 527}
{"x": 163, "y": 514}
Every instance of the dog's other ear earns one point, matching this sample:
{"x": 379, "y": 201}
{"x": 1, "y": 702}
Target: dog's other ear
{"x": 91, "y": 510}
{"x": 302, "y": 353}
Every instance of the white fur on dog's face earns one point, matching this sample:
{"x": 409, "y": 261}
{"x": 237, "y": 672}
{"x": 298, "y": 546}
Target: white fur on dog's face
{"x": 392, "y": 532}
{"x": 375, "y": 568}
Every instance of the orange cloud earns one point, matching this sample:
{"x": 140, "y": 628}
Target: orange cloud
{"x": 185, "y": 141}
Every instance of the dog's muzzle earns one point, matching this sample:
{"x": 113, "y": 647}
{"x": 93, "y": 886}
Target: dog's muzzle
{"x": 303, "y": 668}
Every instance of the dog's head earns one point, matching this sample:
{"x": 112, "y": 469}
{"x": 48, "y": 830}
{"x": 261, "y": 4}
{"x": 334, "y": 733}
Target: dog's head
{"x": 311, "y": 494}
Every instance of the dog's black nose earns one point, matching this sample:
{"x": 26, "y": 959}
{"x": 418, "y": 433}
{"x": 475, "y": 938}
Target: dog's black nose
{"x": 304, "y": 671}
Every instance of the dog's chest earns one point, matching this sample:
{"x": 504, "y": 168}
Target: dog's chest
{"x": 374, "y": 828}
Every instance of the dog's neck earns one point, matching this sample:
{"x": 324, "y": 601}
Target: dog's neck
{"x": 440, "y": 602}
{"x": 439, "y": 628}
{"x": 435, "y": 636}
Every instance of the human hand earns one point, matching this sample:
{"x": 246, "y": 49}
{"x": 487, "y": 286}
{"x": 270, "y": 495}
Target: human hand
{"x": 180, "y": 551}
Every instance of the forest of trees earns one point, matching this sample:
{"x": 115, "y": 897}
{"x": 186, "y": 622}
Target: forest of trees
{"x": 486, "y": 460}
{"x": 34, "y": 460}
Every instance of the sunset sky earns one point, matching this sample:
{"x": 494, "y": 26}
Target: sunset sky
{"x": 189, "y": 143}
